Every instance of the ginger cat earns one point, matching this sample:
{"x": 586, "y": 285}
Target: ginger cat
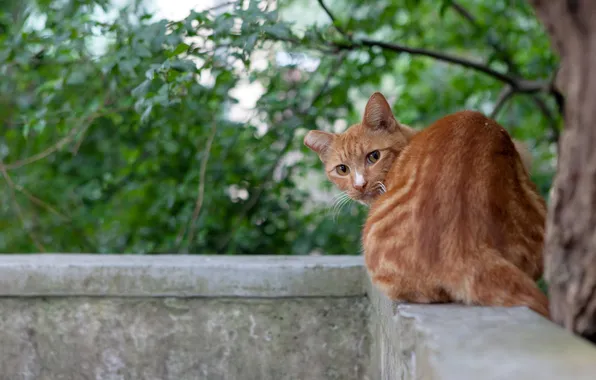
{"x": 454, "y": 216}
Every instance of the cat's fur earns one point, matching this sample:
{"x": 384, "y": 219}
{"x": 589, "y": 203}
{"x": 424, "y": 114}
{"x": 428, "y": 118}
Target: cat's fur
{"x": 454, "y": 215}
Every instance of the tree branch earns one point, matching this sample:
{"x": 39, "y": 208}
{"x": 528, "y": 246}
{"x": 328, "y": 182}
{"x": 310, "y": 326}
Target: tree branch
{"x": 332, "y": 17}
{"x": 464, "y": 13}
{"x": 517, "y": 84}
{"x": 200, "y": 193}
{"x": 45, "y": 153}
{"x": 553, "y": 127}
{"x": 70, "y": 136}
{"x": 505, "y": 56}
{"x": 325, "y": 85}
{"x": 506, "y": 94}
{"x": 508, "y": 60}
{"x": 514, "y": 82}
{"x": 222, "y": 5}
{"x": 40, "y": 202}
{"x": 17, "y": 207}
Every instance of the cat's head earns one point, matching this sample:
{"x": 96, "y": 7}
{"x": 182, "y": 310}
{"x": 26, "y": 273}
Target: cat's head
{"x": 357, "y": 160}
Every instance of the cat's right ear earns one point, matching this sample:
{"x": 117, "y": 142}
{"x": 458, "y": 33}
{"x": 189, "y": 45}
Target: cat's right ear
{"x": 318, "y": 141}
{"x": 378, "y": 114}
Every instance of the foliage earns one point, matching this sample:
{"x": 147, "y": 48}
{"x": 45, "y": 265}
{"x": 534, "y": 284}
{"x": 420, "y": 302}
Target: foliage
{"x": 118, "y": 135}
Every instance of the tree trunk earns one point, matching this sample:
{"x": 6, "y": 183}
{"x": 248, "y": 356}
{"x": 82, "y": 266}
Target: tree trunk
{"x": 570, "y": 247}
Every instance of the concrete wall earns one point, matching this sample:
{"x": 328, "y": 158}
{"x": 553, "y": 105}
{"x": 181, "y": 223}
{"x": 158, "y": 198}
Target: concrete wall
{"x": 455, "y": 342}
{"x": 179, "y": 317}
{"x": 200, "y": 317}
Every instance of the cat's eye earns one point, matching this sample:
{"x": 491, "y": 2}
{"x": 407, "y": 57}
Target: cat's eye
{"x": 342, "y": 169}
{"x": 373, "y": 157}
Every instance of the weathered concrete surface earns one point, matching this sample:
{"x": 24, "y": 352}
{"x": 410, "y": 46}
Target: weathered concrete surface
{"x": 455, "y": 342}
{"x": 78, "y": 338}
{"x": 181, "y": 275}
{"x": 130, "y": 317}
{"x": 393, "y": 350}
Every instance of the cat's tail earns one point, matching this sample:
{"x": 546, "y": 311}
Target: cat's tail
{"x": 524, "y": 153}
{"x": 494, "y": 281}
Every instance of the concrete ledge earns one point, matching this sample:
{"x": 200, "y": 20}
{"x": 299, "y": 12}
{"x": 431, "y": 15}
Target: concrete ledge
{"x": 170, "y": 317}
{"x": 182, "y": 317}
{"x": 148, "y": 338}
{"x": 181, "y": 275}
{"x": 455, "y": 342}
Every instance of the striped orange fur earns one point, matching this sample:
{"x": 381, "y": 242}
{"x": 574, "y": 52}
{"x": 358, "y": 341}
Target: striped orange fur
{"x": 454, "y": 216}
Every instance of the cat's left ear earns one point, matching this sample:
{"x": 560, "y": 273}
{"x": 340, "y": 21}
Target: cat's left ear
{"x": 318, "y": 141}
{"x": 378, "y": 115}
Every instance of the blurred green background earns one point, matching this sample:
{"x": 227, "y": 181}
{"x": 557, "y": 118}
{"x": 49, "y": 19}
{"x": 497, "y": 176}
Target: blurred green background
{"x": 163, "y": 127}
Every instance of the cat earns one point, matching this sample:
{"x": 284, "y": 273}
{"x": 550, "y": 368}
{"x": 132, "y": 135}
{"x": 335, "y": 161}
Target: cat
{"x": 454, "y": 215}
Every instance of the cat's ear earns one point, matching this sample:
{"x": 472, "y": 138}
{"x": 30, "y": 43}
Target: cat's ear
{"x": 318, "y": 141}
{"x": 378, "y": 115}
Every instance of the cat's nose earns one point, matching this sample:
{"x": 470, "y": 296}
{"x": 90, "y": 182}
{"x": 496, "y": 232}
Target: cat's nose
{"x": 360, "y": 186}
{"x": 359, "y": 183}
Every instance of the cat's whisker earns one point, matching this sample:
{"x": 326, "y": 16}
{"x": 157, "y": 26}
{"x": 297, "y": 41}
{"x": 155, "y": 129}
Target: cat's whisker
{"x": 347, "y": 202}
{"x": 380, "y": 187}
{"x": 339, "y": 206}
{"x": 344, "y": 201}
{"x": 338, "y": 199}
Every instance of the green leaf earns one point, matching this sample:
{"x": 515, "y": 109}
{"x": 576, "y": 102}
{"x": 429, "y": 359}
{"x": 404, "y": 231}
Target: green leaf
{"x": 445, "y": 4}
{"x": 279, "y": 31}
{"x": 181, "y": 48}
{"x": 141, "y": 89}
